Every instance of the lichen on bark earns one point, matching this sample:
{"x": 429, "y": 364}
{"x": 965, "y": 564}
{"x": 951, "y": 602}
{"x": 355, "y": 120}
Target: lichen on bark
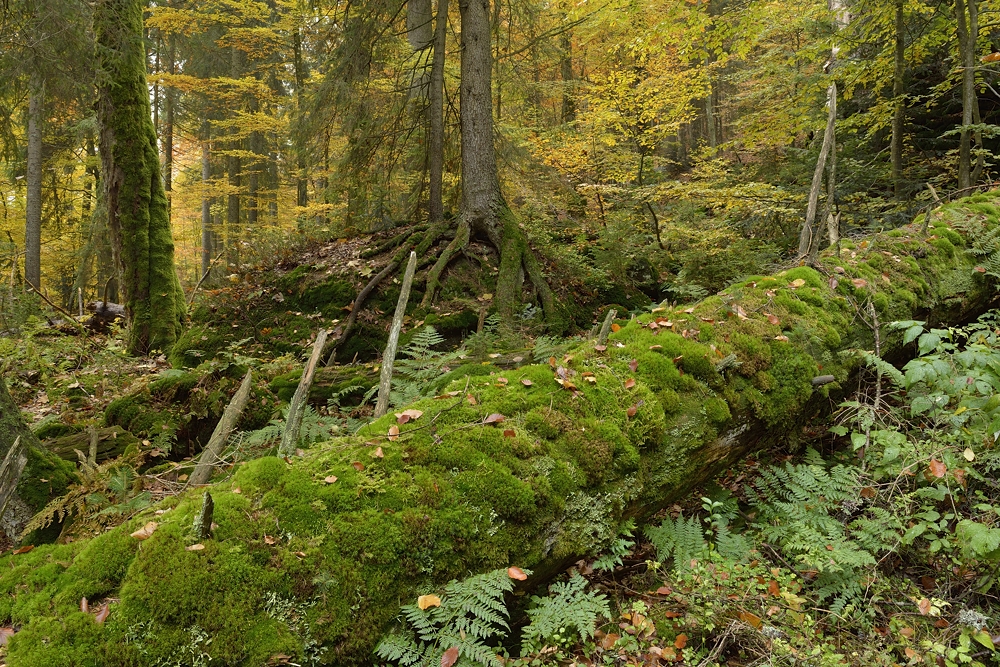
{"x": 137, "y": 206}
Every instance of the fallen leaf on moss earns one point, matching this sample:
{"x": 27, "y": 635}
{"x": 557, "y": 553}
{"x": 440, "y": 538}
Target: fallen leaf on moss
{"x": 526, "y": 382}
{"x": 378, "y": 453}
{"x": 924, "y": 606}
{"x": 269, "y": 540}
{"x": 509, "y": 433}
{"x": 102, "y": 615}
{"x": 859, "y": 282}
{"x": 516, "y": 573}
{"x": 195, "y": 547}
{"x": 629, "y": 383}
{"x": 616, "y": 327}
{"x": 23, "y": 550}
{"x": 358, "y": 465}
{"x": 147, "y": 530}
{"x": 330, "y": 479}
{"x": 393, "y": 432}
{"x": 798, "y": 282}
{"x": 783, "y": 339}
{"x": 494, "y": 418}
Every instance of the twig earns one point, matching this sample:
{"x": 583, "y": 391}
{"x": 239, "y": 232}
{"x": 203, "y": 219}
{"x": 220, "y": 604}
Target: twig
{"x": 389, "y": 358}
{"x": 204, "y": 276}
{"x": 72, "y": 319}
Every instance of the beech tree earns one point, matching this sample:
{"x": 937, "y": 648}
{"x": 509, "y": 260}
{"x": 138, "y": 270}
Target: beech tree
{"x": 137, "y": 206}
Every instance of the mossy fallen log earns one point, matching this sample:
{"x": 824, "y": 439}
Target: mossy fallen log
{"x": 534, "y": 466}
{"x": 111, "y": 442}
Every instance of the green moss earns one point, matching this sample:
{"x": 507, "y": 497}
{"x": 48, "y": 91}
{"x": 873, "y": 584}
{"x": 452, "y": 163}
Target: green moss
{"x": 195, "y": 345}
{"x": 944, "y": 245}
{"x": 54, "y": 429}
{"x": 717, "y": 411}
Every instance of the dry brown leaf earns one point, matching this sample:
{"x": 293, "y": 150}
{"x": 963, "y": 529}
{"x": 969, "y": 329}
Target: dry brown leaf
{"x": 394, "y": 432}
{"x": 195, "y": 547}
{"x": 425, "y": 602}
{"x": 330, "y": 479}
{"x": 516, "y": 573}
{"x": 358, "y": 465}
{"x": 526, "y": 382}
{"x": 509, "y": 433}
{"x": 147, "y": 530}
{"x": 84, "y": 606}
{"x": 631, "y": 411}
{"x": 471, "y": 400}
{"x": 450, "y": 657}
{"x": 269, "y": 540}
{"x": 859, "y": 282}
{"x": 680, "y": 641}
{"x": 656, "y": 347}
{"x": 494, "y": 418}
{"x": 102, "y": 615}
{"x": 784, "y": 339}
{"x": 616, "y": 327}
{"x": 378, "y": 453}
{"x": 938, "y": 469}
{"x": 924, "y": 606}
{"x": 600, "y": 348}
{"x": 629, "y": 383}
{"x": 633, "y": 365}
{"x": 23, "y": 550}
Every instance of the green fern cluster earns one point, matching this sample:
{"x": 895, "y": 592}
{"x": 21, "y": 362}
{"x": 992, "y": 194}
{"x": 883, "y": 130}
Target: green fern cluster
{"x": 987, "y": 246}
{"x": 104, "y": 495}
{"x": 567, "y": 615}
{"x": 471, "y": 617}
{"x": 814, "y": 514}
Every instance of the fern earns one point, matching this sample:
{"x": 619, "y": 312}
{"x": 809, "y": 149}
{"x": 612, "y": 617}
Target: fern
{"x": 806, "y": 510}
{"x": 618, "y": 549}
{"x": 471, "y": 617}
{"x": 987, "y": 246}
{"x": 682, "y": 539}
{"x": 315, "y": 428}
{"x": 569, "y": 613}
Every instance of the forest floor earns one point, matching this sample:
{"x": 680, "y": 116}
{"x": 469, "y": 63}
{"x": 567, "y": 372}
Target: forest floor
{"x": 675, "y": 593}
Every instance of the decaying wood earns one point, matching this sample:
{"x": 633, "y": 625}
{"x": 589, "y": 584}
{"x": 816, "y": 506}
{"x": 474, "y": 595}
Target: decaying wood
{"x": 10, "y": 472}
{"x": 389, "y": 358}
{"x": 602, "y": 337}
{"x": 203, "y": 520}
{"x": 293, "y": 423}
{"x": 220, "y": 436}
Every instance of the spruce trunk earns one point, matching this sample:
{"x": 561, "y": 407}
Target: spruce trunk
{"x": 130, "y": 163}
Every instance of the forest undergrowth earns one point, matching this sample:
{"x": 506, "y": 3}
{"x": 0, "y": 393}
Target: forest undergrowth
{"x": 872, "y": 538}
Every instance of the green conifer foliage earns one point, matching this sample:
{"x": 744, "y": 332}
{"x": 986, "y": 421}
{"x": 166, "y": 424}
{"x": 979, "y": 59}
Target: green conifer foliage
{"x": 137, "y": 206}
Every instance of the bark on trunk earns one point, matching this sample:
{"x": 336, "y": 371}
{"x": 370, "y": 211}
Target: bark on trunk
{"x": 301, "y": 185}
{"x": 207, "y": 233}
{"x": 809, "y": 234}
{"x": 899, "y": 105}
{"x": 130, "y": 166}
{"x": 33, "y": 205}
{"x": 435, "y": 113}
{"x": 967, "y": 16}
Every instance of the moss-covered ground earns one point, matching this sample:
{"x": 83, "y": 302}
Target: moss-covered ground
{"x": 532, "y": 466}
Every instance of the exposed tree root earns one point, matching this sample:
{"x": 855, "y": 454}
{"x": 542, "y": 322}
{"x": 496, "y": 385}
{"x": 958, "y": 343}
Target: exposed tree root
{"x": 458, "y": 243}
{"x": 427, "y": 239}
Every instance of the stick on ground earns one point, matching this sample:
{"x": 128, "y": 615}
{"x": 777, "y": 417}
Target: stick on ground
{"x": 293, "y": 423}
{"x": 220, "y": 436}
{"x": 389, "y": 358}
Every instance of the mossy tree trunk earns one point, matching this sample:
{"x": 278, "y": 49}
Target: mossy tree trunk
{"x": 137, "y": 206}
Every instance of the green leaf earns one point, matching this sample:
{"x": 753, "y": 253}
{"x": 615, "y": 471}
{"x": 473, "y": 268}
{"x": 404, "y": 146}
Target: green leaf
{"x": 911, "y": 334}
{"x": 984, "y": 638}
{"x": 858, "y": 440}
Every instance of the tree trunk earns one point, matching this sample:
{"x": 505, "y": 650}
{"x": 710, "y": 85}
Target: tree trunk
{"x": 967, "y": 16}
{"x": 130, "y": 165}
{"x": 207, "y": 233}
{"x": 40, "y": 476}
{"x": 301, "y": 185}
{"x": 168, "y": 127}
{"x": 435, "y": 117}
{"x": 899, "y": 105}
{"x": 33, "y": 205}
{"x": 809, "y": 234}
{"x": 404, "y": 505}
{"x": 566, "y": 72}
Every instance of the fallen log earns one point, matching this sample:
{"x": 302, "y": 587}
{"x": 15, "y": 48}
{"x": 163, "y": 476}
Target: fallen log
{"x": 535, "y": 466}
{"x": 111, "y": 442}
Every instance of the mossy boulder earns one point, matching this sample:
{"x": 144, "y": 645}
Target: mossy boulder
{"x": 535, "y": 466}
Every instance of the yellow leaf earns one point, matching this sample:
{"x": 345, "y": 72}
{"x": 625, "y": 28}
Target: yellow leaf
{"x": 425, "y": 602}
